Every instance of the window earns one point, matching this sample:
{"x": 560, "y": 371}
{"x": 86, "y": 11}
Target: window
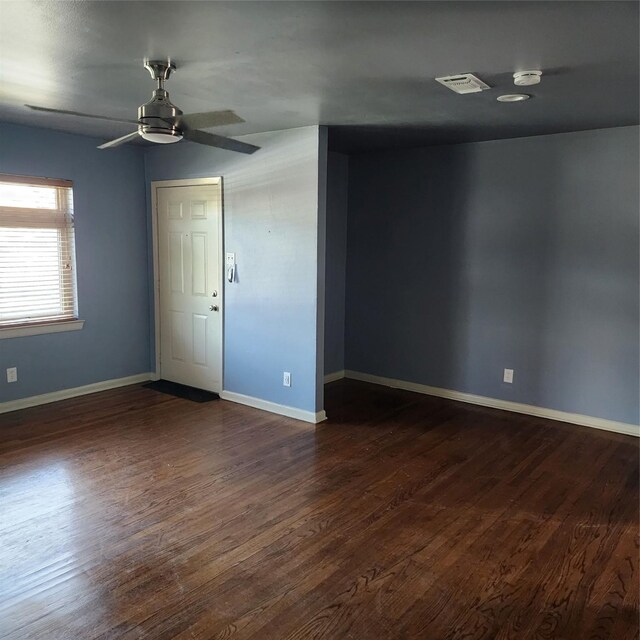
{"x": 37, "y": 256}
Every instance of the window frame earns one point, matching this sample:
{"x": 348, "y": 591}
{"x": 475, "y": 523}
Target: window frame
{"x": 46, "y": 325}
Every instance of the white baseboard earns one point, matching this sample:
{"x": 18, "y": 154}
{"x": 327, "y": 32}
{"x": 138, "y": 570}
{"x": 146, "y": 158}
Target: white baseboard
{"x": 332, "y": 377}
{"x": 64, "y": 394}
{"x": 272, "y": 407}
{"x": 505, "y": 405}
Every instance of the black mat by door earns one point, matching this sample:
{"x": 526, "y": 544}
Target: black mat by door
{"x": 182, "y": 391}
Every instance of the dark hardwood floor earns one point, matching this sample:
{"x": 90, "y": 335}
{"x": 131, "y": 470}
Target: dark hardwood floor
{"x": 133, "y": 514}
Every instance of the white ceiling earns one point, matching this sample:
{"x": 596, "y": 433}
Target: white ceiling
{"x": 365, "y": 68}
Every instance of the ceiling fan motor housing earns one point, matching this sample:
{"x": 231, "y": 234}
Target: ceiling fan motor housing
{"x": 159, "y": 115}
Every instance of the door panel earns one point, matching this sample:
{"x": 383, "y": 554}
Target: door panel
{"x": 176, "y": 262}
{"x": 190, "y": 285}
{"x": 177, "y": 336}
{"x": 199, "y": 258}
{"x": 200, "y": 339}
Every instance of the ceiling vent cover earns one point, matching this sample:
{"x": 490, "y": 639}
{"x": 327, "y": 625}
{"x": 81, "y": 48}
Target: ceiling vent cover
{"x": 463, "y": 83}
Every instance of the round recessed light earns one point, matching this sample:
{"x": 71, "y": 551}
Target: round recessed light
{"x": 513, "y": 97}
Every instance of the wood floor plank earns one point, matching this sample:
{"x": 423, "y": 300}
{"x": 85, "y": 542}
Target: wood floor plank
{"x": 131, "y": 514}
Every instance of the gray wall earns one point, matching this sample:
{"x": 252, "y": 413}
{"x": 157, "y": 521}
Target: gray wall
{"x": 272, "y": 215}
{"x": 336, "y": 261}
{"x": 522, "y": 253}
{"x": 111, "y": 251}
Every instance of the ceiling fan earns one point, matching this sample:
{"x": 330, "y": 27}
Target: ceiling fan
{"x": 162, "y": 122}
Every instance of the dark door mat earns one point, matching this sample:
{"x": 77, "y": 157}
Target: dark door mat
{"x": 182, "y": 391}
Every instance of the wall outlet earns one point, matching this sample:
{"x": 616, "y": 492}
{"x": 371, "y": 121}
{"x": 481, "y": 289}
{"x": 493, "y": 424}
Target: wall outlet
{"x": 508, "y": 376}
{"x": 286, "y": 379}
{"x": 12, "y": 374}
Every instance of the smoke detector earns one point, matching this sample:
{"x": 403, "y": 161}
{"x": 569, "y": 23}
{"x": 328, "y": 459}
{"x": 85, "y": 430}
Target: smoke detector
{"x": 463, "y": 83}
{"x": 526, "y": 78}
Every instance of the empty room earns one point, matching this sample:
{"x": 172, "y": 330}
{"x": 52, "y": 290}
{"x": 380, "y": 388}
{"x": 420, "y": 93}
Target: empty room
{"x": 319, "y": 320}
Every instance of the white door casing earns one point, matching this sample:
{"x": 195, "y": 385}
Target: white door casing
{"x": 188, "y": 220}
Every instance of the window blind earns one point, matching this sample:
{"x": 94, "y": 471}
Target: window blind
{"x": 37, "y": 252}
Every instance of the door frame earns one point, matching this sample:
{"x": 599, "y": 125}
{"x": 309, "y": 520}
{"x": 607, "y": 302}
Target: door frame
{"x": 188, "y": 182}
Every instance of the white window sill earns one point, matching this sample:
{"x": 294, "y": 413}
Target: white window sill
{"x": 38, "y": 329}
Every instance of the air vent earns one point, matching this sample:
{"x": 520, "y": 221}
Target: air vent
{"x": 463, "y": 83}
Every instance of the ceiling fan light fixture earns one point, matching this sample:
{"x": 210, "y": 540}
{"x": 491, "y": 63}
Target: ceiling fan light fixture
{"x": 160, "y": 136}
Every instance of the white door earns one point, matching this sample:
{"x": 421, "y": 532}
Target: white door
{"x": 189, "y": 222}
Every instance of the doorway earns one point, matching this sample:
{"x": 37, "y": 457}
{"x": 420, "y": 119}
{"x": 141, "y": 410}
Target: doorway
{"x": 187, "y": 233}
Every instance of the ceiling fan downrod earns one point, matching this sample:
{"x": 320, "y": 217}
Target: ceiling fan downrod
{"x": 160, "y": 70}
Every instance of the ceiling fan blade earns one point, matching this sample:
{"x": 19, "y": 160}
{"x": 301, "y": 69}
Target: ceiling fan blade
{"x": 78, "y": 113}
{"x": 118, "y": 141}
{"x": 208, "y": 119}
{"x": 213, "y": 140}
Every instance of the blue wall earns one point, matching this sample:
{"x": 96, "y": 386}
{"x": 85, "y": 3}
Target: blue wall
{"x": 271, "y": 218}
{"x": 111, "y": 251}
{"x": 336, "y": 261}
{"x": 322, "y": 163}
{"x": 467, "y": 259}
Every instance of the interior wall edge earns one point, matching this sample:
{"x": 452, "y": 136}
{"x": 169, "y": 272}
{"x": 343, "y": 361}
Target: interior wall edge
{"x": 74, "y": 392}
{"x": 313, "y": 417}
{"x": 334, "y": 375}
{"x": 503, "y": 405}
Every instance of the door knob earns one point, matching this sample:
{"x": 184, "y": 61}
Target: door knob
{"x": 213, "y": 307}
{"x": 214, "y": 294}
